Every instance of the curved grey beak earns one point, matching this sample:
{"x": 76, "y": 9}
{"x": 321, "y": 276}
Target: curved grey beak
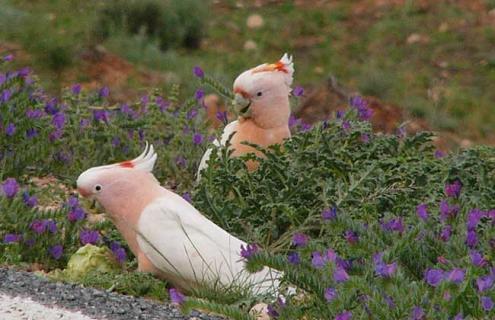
{"x": 242, "y": 105}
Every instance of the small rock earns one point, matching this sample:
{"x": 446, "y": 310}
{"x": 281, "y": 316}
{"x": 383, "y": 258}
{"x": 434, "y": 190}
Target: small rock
{"x": 255, "y": 21}
{"x": 260, "y": 311}
{"x": 417, "y": 38}
{"x": 250, "y": 45}
{"x": 444, "y": 27}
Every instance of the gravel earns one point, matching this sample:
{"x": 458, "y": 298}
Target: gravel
{"x": 25, "y": 294}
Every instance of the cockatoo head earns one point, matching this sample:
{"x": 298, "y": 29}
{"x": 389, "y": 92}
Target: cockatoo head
{"x": 262, "y": 93}
{"x": 122, "y": 182}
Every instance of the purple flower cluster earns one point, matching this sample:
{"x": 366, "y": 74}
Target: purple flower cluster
{"x": 56, "y": 251}
{"x": 300, "y": 239}
{"x": 76, "y": 212}
{"x": 250, "y": 250}
{"x": 383, "y": 269}
{"x": 364, "y": 112}
{"x": 89, "y": 237}
{"x": 10, "y": 187}
{"x": 434, "y": 277}
{"x": 394, "y": 224}
{"x": 176, "y": 296}
{"x": 329, "y": 213}
{"x": 119, "y": 252}
{"x": 40, "y": 226}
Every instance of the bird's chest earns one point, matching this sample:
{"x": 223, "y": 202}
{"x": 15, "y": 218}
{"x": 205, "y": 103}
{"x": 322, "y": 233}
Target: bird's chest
{"x": 251, "y": 133}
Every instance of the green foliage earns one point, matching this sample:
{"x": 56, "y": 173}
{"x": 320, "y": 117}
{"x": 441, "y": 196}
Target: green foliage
{"x": 173, "y": 23}
{"x": 129, "y": 283}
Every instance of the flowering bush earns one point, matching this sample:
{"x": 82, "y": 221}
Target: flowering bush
{"x": 382, "y": 227}
{"x": 43, "y": 135}
{"x": 367, "y": 225}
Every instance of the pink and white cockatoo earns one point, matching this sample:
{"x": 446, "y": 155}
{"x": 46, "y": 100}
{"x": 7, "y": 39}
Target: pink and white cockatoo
{"x": 262, "y": 100}
{"x": 169, "y": 237}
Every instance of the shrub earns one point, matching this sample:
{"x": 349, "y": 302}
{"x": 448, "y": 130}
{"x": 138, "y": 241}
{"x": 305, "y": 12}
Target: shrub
{"x": 173, "y": 23}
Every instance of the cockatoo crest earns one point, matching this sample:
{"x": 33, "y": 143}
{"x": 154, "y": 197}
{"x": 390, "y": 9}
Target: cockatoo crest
{"x": 145, "y": 161}
{"x": 284, "y": 65}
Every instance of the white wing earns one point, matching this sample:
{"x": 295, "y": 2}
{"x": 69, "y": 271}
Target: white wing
{"x": 191, "y": 250}
{"x": 227, "y": 131}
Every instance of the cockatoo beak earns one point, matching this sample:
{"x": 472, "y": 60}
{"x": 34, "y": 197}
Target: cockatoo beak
{"x": 242, "y": 105}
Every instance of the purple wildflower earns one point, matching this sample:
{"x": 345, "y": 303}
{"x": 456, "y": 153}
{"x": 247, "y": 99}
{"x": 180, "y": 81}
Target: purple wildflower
{"x": 446, "y": 233}
{"x": 422, "y": 211}
{"x": 401, "y": 132}
{"x": 58, "y": 120}
{"x": 8, "y": 58}
{"x": 38, "y": 226}
{"x": 31, "y": 133}
{"x": 51, "y": 225}
{"x": 176, "y": 297}
{"x": 471, "y": 239}
{"x": 453, "y": 190}
{"x": 34, "y": 113}
{"x": 6, "y": 94}
{"x": 104, "y": 92}
{"x": 101, "y": 115}
{"x": 222, "y": 116}
{"x": 162, "y": 104}
{"x": 459, "y": 317}
{"x": 329, "y": 213}
{"x": 340, "y": 275}
{"x": 10, "y": 187}
{"x": 250, "y": 250}
{"x": 118, "y": 252}
{"x": 434, "y": 276}
{"x": 11, "y": 238}
{"x": 73, "y": 202}
{"x": 187, "y": 196}
{"x": 55, "y": 135}
{"x": 317, "y": 260}
{"x": 330, "y": 294}
{"x": 477, "y": 259}
{"x": 390, "y": 301}
{"x": 351, "y": 237}
{"x": 10, "y": 129}
{"x": 197, "y": 138}
{"x": 364, "y": 112}
{"x": 346, "y": 315}
{"x": 418, "y": 314}
{"x": 298, "y": 91}
{"x": 381, "y": 268}
{"x": 51, "y": 107}
{"x": 364, "y": 138}
{"x": 115, "y": 142}
{"x": 89, "y": 236}
{"x": 198, "y": 72}
{"x": 393, "y": 225}
{"x": 199, "y": 94}
{"x": 487, "y": 303}
{"x": 305, "y": 127}
{"x": 180, "y": 161}
{"x": 330, "y": 255}
{"x": 456, "y": 275}
{"x": 447, "y": 211}
{"x": 141, "y": 134}
{"x": 293, "y": 121}
{"x": 29, "y": 201}
{"x": 346, "y": 125}
{"x": 24, "y": 72}
{"x": 56, "y": 251}
{"x": 83, "y": 124}
{"x": 300, "y": 239}
{"x": 191, "y": 114}
{"x": 485, "y": 282}
{"x": 293, "y": 258}
{"x": 76, "y": 89}
{"x": 273, "y": 310}
{"x": 473, "y": 218}
{"x": 439, "y": 154}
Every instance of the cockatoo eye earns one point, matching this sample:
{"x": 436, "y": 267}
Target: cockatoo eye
{"x": 98, "y": 187}
{"x": 259, "y": 94}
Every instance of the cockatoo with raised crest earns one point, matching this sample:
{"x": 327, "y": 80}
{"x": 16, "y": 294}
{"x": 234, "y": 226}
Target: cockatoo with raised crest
{"x": 262, "y": 101}
{"x": 169, "y": 237}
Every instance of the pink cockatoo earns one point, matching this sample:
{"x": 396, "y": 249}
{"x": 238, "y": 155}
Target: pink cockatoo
{"x": 262, "y": 100}
{"x": 169, "y": 237}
